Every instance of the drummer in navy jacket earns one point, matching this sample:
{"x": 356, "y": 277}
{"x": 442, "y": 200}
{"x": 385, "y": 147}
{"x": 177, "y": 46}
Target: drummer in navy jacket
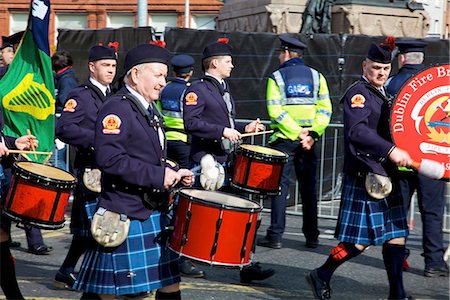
{"x": 76, "y": 127}
{"x": 209, "y": 114}
{"x": 8, "y": 281}
{"x": 130, "y": 149}
{"x": 209, "y": 109}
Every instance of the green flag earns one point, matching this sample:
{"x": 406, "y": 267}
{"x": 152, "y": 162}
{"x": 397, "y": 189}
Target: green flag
{"x": 27, "y": 89}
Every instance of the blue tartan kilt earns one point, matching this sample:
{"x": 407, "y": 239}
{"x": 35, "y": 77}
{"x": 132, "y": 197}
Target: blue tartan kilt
{"x": 79, "y": 221}
{"x": 364, "y": 220}
{"x": 142, "y": 263}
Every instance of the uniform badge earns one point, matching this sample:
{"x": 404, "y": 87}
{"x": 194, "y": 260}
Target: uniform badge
{"x": 191, "y": 98}
{"x": 70, "y": 105}
{"x": 111, "y": 124}
{"x": 358, "y": 101}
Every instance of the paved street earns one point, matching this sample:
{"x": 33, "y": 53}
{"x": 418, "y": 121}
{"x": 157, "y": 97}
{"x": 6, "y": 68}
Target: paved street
{"x": 362, "y": 278}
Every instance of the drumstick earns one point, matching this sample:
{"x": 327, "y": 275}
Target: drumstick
{"x": 429, "y": 168}
{"x": 28, "y": 152}
{"x": 257, "y": 123}
{"x": 32, "y": 144}
{"x": 25, "y": 156}
{"x": 255, "y": 133}
{"x": 47, "y": 158}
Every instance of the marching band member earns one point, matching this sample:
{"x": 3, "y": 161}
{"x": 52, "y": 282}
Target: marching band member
{"x": 130, "y": 149}
{"x": 378, "y": 217}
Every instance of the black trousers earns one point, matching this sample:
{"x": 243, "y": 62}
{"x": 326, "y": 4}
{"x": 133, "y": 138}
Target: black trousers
{"x": 305, "y": 165}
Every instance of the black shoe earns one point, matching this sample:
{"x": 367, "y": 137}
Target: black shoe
{"x": 264, "y": 242}
{"x": 255, "y": 272}
{"x": 13, "y": 244}
{"x": 188, "y": 269}
{"x": 138, "y": 296}
{"x": 312, "y": 243}
{"x": 406, "y": 298}
{"x": 436, "y": 272}
{"x": 64, "y": 281}
{"x": 320, "y": 288}
{"x": 40, "y": 249}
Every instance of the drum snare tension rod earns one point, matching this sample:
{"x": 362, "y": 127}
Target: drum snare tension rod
{"x": 186, "y": 227}
{"x": 247, "y": 230}
{"x": 216, "y": 235}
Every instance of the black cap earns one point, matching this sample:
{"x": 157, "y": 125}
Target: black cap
{"x": 379, "y": 53}
{"x": 182, "y": 63}
{"x": 219, "y": 48}
{"x": 146, "y": 53}
{"x": 101, "y": 52}
{"x": 10, "y": 41}
{"x": 291, "y": 44}
{"x": 410, "y": 45}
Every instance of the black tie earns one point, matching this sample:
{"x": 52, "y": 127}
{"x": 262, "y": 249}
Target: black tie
{"x": 108, "y": 91}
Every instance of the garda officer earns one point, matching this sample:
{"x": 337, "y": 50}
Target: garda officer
{"x": 171, "y": 103}
{"x": 368, "y": 217}
{"x": 299, "y": 106}
{"x": 430, "y": 192}
{"x": 178, "y": 147}
{"x": 209, "y": 114}
{"x": 76, "y": 127}
{"x": 130, "y": 149}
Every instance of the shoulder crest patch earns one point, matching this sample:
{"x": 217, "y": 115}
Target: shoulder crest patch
{"x": 358, "y": 101}
{"x": 70, "y": 105}
{"x": 191, "y": 98}
{"x": 111, "y": 124}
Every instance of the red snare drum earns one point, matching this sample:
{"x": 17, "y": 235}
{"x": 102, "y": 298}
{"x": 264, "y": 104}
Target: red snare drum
{"x": 214, "y": 227}
{"x": 258, "y": 169}
{"x": 38, "y": 195}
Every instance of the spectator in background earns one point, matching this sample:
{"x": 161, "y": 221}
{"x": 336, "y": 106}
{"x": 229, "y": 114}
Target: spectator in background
{"x": 430, "y": 192}
{"x": 65, "y": 81}
{"x": 65, "y": 78}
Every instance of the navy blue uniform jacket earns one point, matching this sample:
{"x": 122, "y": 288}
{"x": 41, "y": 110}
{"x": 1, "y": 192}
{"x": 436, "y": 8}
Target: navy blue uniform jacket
{"x": 205, "y": 117}
{"x": 366, "y": 130}
{"x": 406, "y": 72}
{"x": 77, "y": 122}
{"x": 128, "y": 152}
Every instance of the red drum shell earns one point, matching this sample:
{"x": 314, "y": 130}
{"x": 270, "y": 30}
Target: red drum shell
{"x": 215, "y": 228}
{"x": 258, "y": 169}
{"x": 38, "y": 195}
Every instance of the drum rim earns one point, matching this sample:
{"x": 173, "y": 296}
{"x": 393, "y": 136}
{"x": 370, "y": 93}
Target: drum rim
{"x": 41, "y": 224}
{"x": 212, "y": 263}
{"x": 263, "y": 192}
{"x": 259, "y": 208}
{"x": 18, "y": 170}
{"x": 263, "y": 155}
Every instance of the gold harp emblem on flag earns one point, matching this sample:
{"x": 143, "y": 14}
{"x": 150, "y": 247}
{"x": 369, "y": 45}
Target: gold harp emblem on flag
{"x": 30, "y": 97}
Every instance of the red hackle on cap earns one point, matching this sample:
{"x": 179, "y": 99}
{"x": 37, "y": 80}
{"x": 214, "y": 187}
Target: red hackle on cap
{"x": 223, "y": 40}
{"x": 159, "y": 43}
{"x": 114, "y": 45}
{"x": 389, "y": 43}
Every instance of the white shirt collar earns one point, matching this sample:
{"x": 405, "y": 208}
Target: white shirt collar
{"x": 102, "y": 87}
{"x": 220, "y": 80}
{"x": 138, "y": 96}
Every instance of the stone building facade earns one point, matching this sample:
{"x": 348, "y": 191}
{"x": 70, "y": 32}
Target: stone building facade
{"x": 97, "y": 14}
